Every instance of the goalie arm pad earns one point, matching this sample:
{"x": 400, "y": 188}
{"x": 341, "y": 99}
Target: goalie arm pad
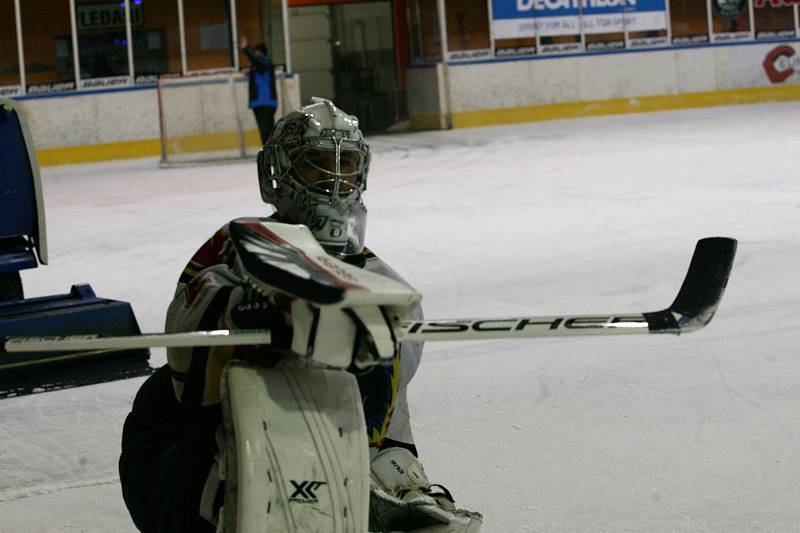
{"x": 214, "y": 299}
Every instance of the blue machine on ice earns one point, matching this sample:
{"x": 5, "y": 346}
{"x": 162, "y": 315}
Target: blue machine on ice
{"x": 22, "y": 227}
{"x": 23, "y": 240}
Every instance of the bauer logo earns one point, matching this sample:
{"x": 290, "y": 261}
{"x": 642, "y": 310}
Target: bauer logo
{"x": 305, "y": 491}
{"x": 781, "y": 63}
{"x": 102, "y": 83}
{"x": 56, "y": 87}
{"x": 11, "y": 90}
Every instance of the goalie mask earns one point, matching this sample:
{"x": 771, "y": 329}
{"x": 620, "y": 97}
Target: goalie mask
{"x": 313, "y": 170}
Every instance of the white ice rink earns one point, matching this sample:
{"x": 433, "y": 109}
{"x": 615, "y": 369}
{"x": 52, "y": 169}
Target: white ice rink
{"x": 650, "y": 434}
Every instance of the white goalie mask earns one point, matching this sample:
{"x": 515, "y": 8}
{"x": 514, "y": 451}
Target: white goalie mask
{"x": 313, "y": 170}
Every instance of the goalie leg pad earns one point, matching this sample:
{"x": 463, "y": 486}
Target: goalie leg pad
{"x": 295, "y": 450}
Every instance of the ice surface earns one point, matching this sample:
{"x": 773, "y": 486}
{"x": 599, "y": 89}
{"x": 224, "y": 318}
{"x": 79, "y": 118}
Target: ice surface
{"x": 698, "y": 433}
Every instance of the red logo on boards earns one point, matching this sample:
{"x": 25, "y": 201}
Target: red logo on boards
{"x": 776, "y": 3}
{"x": 778, "y": 65}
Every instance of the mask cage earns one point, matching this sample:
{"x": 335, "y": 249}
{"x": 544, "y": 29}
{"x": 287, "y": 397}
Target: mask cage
{"x": 332, "y": 170}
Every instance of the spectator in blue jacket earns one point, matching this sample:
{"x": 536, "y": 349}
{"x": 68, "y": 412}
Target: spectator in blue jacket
{"x": 263, "y": 96}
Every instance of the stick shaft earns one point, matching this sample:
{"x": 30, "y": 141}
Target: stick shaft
{"x": 70, "y": 343}
{"x": 426, "y": 330}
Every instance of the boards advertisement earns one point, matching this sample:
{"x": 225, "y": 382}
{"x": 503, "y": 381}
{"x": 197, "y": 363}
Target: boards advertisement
{"x": 514, "y": 19}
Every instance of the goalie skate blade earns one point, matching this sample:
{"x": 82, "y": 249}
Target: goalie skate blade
{"x": 388, "y": 513}
{"x": 701, "y": 291}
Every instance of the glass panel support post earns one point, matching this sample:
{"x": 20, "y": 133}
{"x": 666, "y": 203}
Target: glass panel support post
{"x": 668, "y": 14}
{"x": 76, "y": 60}
{"x": 129, "y": 39}
{"x": 710, "y": 18}
{"x": 491, "y": 29}
{"x": 442, "y": 9}
{"x": 626, "y": 33}
{"x": 420, "y": 42}
{"x": 182, "y": 36}
{"x": 287, "y": 49}
{"x": 21, "y": 50}
{"x": 235, "y": 35}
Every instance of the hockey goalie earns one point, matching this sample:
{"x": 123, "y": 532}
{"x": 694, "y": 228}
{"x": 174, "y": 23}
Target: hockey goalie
{"x": 286, "y": 449}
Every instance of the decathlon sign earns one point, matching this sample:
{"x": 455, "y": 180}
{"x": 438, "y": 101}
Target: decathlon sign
{"x": 781, "y": 63}
{"x": 512, "y": 19}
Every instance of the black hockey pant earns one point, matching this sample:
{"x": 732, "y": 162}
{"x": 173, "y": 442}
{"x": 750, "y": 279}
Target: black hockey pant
{"x": 167, "y": 452}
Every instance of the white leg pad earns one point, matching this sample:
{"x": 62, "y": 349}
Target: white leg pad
{"x": 296, "y": 451}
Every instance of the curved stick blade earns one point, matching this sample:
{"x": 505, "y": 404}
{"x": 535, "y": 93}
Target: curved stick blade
{"x": 702, "y": 288}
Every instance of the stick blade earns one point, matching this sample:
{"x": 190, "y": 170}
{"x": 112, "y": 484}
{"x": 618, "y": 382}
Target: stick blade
{"x": 702, "y": 288}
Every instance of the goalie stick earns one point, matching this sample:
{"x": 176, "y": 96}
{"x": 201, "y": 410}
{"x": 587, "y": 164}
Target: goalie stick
{"x": 692, "y": 309}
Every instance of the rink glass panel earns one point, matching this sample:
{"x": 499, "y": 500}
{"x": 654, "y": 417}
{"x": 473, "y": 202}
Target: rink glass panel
{"x": 47, "y": 39}
{"x": 598, "y": 39}
{"x": 102, "y": 38}
{"x": 209, "y": 43}
{"x": 103, "y": 47}
{"x": 270, "y": 18}
{"x": 9, "y": 59}
{"x": 467, "y": 25}
{"x": 156, "y": 43}
{"x": 249, "y": 24}
{"x": 730, "y": 28}
{"x": 775, "y": 22}
{"x": 689, "y": 20}
{"x": 424, "y": 37}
